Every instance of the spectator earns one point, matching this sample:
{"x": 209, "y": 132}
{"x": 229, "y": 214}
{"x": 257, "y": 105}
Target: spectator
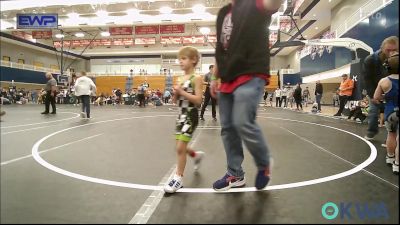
{"x": 318, "y": 94}
{"x": 306, "y": 96}
{"x": 278, "y": 94}
{"x": 297, "y": 97}
{"x": 167, "y": 96}
{"x": 345, "y": 92}
{"x": 207, "y": 95}
{"x": 358, "y": 111}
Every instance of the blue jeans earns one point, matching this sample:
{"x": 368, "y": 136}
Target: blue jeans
{"x": 318, "y": 100}
{"x": 86, "y": 104}
{"x": 238, "y": 122}
{"x": 373, "y": 115}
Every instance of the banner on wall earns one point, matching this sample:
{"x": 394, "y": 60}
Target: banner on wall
{"x": 99, "y": 42}
{"x": 46, "y": 34}
{"x": 145, "y": 41}
{"x": 314, "y": 51}
{"x": 285, "y": 23}
{"x": 198, "y": 39}
{"x": 273, "y": 38}
{"x": 166, "y": 40}
{"x": 123, "y": 41}
{"x": 172, "y": 29}
{"x": 151, "y": 29}
{"x": 22, "y": 34}
{"x": 121, "y": 30}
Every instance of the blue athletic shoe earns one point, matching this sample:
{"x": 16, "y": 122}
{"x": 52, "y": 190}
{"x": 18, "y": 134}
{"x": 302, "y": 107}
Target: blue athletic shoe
{"x": 263, "y": 177}
{"x": 228, "y": 182}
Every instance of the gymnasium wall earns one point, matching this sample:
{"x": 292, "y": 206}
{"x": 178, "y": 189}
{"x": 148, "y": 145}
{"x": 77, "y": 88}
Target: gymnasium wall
{"x": 37, "y": 57}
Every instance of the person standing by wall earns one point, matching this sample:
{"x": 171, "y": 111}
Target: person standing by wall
{"x": 284, "y": 94}
{"x": 50, "y": 94}
{"x": 345, "y": 92}
{"x": 297, "y": 97}
{"x": 278, "y": 93}
{"x": 306, "y": 96}
{"x": 373, "y": 71}
{"x": 207, "y": 95}
{"x": 242, "y": 56}
{"x": 319, "y": 90}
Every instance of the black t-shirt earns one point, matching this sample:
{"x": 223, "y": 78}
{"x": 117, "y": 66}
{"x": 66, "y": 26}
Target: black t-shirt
{"x": 373, "y": 72}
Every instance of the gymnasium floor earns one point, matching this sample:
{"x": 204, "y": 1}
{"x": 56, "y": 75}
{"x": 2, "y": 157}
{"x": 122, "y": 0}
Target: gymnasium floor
{"x": 110, "y": 169}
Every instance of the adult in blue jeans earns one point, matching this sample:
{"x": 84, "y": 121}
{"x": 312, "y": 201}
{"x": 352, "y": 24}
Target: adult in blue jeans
{"x": 242, "y": 64}
{"x": 373, "y": 71}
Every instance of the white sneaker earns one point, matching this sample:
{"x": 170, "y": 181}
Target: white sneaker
{"x": 83, "y": 115}
{"x": 383, "y": 145}
{"x": 197, "y": 159}
{"x": 174, "y": 184}
{"x": 390, "y": 159}
{"x": 395, "y": 168}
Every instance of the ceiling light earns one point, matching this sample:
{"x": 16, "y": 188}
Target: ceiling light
{"x": 165, "y": 10}
{"x": 316, "y": 28}
{"x": 59, "y": 36}
{"x": 105, "y": 33}
{"x": 205, "y": 30}
{"x": 102, "y": 13}
{"x": 199, "y": 8}
{"x": 79, "y": 35}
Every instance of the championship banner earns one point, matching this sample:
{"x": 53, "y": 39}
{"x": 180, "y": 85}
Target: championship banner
{"x": 23, "y": 35}
{"x": 122, "y": 41}
{"x": 273, "y": 38}
{"x": 285, "y": 23}
{"x": 145, "y": 41}
{"x": 167, "y": 40}
{"x": 141, "y": 30}
{"x": 105, "y": 42}
{"x": 199, "y": 39}
{"x": 172, "y": 29}
{"x": 94, "y": 43}
{"x": 47, "y": 34}
{"x": 120, "y": 30}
